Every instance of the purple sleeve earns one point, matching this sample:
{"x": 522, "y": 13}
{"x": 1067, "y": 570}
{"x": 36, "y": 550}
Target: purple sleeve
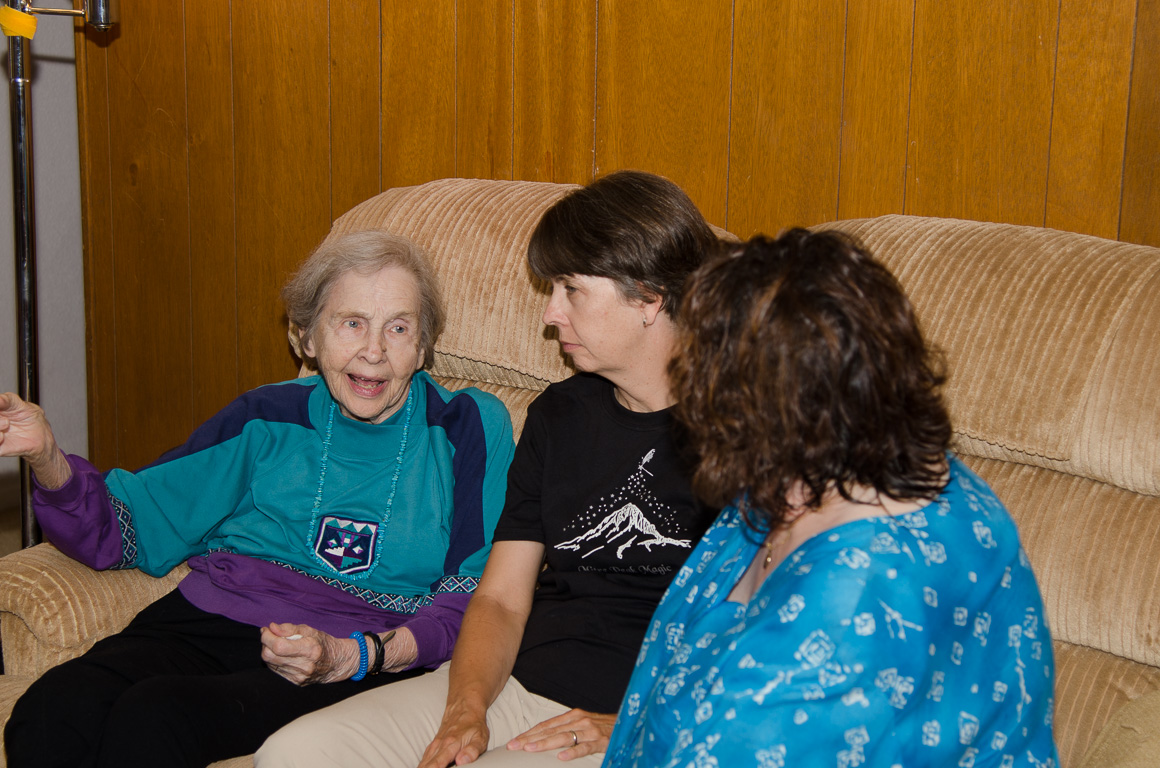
{"x": 79, "y": 519}
{"x": 436, "y": 627}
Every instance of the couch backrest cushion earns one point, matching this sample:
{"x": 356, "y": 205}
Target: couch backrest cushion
{"x": 1053, "y": 336}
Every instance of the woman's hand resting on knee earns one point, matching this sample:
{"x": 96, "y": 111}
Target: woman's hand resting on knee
{"x": 461, "y": 739}
{"x": 583, "y": 733}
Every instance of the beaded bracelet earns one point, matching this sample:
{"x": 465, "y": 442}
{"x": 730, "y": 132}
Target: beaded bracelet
{"x": 362, "y": 656}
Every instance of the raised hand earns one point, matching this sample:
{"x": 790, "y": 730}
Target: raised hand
{"x": 25, "y": 432}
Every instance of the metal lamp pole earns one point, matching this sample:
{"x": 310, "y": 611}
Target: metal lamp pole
{"x": 99, "y": 14}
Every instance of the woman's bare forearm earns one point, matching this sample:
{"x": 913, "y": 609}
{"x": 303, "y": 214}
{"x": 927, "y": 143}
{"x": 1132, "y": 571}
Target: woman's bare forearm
{"x": 493, "y": 625}
{"x": 484, "y": 654}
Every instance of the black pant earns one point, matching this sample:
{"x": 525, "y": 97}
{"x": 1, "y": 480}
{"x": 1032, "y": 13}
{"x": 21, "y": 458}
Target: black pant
{"x": 177, "y": 687}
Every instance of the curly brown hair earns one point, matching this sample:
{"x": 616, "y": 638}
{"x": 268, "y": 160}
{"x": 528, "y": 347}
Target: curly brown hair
{"x": 802, "y": 362}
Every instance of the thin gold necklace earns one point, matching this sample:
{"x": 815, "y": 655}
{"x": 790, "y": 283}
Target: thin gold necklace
{"x": 774, "y": 538}
{"x": 769, "y": 550}
{"x": 777, "y": 537}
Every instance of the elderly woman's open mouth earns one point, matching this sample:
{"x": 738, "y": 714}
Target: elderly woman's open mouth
{"x": 366, "y": 387}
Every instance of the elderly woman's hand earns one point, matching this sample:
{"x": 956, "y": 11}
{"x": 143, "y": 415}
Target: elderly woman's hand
{"x": 25, "y": 432}
{"x": 580, "y": 732}
{"x": 304, "y": 655}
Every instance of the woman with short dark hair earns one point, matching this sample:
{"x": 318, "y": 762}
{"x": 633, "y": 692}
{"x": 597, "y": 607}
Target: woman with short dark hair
{"x": 598, "y": 517}
{"x": 864, "y": 600}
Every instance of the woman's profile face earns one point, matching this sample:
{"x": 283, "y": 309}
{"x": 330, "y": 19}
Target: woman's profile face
{"x": 596, "y": 326}
{"x": 367, "y": 342}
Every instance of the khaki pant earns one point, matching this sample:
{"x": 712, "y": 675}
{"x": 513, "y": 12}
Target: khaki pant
{"x": 389, "y": 727}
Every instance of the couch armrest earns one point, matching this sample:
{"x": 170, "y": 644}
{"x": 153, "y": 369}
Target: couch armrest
{"x": 53, "y": 608}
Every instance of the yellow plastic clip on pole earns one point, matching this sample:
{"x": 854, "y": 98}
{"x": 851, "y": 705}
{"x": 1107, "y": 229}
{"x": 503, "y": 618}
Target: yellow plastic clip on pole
{"x": 16, "y": 23}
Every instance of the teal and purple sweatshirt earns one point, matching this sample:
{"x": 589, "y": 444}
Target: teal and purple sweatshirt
{"x": 344, "y": 528}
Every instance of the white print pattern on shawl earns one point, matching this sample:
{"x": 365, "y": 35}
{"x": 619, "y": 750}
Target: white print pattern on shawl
{"x": 852, "y": 557}
{"x": 894, "y": 618}
{"x": 983, "y": 535}
{"x": 935, "y": 693}
{"x": 855, "y": 697}
{"x": 968, "y": 728}
{"x": 814, "y": 654}
{"x": 774, "y": 757}
{"x": 758, "y": 683}
{"x": 1037, "y": 763}
{"x": 898, "y": 686}
{"x": 857, "y": 738}
{"x": 792, "y": 608}
{"x": 864, "y": 624}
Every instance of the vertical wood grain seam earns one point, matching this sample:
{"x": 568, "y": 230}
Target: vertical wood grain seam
{"x": 729, "y": 113}
{"x": 455, "y": 85}
{"x": 512, "y": 91}
{"x": 909, "y": 105}
{"x": 330, "y": 101}
{"x": 842, "y": 108}
{"x": 595, "y": 85}
{"x": 112, "y": 257}
{"x": 1051, "y": 111}
{"x": 188, "y": 202}
{"x": 234, "y": 203}
{"x": 98, "y": 438}
{"x": 379, "y": 115}
{"x": 1128, "y": 119}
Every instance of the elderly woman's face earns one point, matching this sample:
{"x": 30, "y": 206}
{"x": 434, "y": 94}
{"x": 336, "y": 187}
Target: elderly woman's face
{"x": 367, "y": 342}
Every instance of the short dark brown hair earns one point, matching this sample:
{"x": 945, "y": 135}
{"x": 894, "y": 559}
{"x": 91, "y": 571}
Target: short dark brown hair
{"x": 638, "y": 229}
{"x": 802, "y": 361}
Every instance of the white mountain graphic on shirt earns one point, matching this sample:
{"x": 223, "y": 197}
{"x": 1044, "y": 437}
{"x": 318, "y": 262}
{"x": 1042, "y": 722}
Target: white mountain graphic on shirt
{"x": 626, "y": 521}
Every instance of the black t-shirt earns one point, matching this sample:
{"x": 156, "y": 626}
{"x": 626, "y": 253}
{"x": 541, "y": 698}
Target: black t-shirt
{"x": 604, "y": 489}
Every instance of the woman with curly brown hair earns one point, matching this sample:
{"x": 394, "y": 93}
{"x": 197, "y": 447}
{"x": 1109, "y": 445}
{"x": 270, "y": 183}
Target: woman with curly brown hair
{"x": 865, "y": 600}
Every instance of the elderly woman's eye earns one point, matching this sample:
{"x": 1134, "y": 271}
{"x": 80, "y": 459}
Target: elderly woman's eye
{"x": 399, "y": 329}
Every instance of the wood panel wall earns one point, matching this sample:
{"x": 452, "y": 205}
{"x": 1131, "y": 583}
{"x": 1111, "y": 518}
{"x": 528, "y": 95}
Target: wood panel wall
{"x": 220, "y": 138}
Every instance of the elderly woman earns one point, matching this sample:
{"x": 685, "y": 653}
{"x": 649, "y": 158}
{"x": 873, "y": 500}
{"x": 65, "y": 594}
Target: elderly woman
{"x": 347, "y": 515}
{"x": 865, "y": 600}
{"x": 599, "y": 515}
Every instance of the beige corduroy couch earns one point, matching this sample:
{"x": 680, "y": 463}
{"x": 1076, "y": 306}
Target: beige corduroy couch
{"x": 1054, "y": 345}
